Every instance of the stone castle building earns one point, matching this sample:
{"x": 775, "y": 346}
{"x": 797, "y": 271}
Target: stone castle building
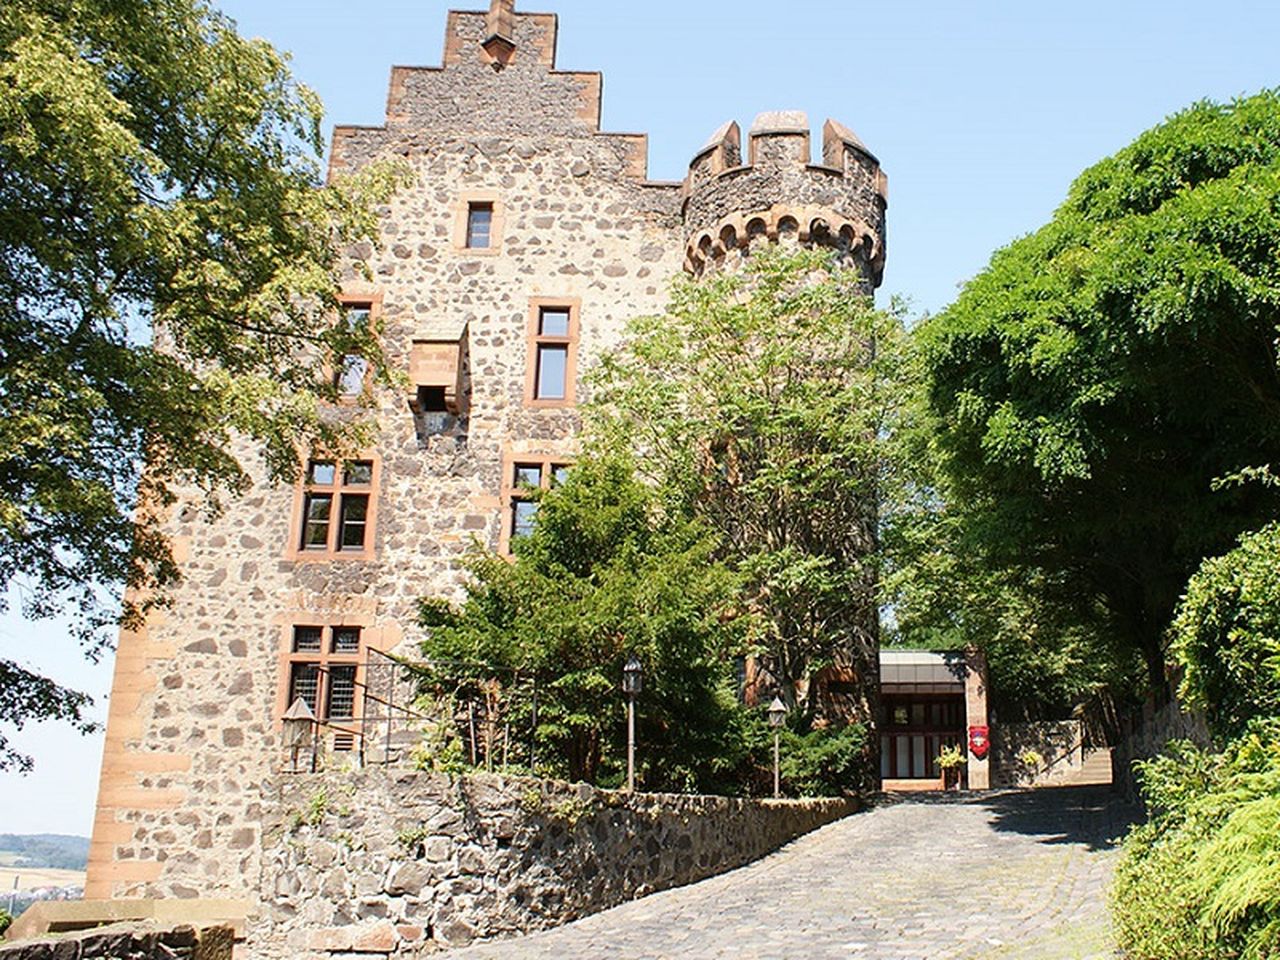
{"x": 528, "y": 241}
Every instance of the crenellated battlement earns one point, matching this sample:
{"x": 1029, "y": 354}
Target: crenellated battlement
{"x": 775, "y": 192}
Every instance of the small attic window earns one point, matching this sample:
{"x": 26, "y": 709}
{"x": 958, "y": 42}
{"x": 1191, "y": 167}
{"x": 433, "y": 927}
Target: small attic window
{"x": 431, "y": 400}
{"x": 479, "y": 226}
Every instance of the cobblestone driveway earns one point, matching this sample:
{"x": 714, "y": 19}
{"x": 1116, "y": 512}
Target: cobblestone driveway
{"x": 1019, "y": 874}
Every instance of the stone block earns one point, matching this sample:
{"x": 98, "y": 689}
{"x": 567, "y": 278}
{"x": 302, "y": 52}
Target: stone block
{"x": 379, "y": 938}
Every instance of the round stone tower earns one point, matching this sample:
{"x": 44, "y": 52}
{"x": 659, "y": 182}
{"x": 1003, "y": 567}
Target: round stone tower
{"x": 776, "y": 194}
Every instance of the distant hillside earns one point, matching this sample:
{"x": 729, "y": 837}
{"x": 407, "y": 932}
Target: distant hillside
{"x": 52, "y": 850}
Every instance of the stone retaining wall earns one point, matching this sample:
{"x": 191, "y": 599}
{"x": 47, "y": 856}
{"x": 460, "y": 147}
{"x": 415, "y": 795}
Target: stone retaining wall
{"x": 1145, "y": 732}
{"x": 128, "y": 942}
{"x": 407, "y": 863}
{"x": 1059, "y": 742}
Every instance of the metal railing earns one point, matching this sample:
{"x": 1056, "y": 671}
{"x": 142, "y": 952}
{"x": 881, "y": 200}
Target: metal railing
{"x": 491, "y": 712}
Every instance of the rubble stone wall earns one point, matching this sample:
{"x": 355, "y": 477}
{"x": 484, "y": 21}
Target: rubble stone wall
{"x": 407, "y": 863}
{"x": 127, "y": 942}
{"x": 1060, "y": 744}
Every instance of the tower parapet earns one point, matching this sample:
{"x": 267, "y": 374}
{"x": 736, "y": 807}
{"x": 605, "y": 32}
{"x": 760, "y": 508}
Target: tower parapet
{"x": 775, "y": 192}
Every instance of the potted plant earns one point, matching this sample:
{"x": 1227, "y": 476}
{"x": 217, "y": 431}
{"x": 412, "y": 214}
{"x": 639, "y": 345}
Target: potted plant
{"x": 950, "y": 760}
{"x": 1032, "y": 762}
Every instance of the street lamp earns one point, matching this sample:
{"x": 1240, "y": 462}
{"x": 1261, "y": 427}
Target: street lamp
{"x": 299, "y": 731}
{"x": 777, "y": 716}
{"x": 631, "y": 684}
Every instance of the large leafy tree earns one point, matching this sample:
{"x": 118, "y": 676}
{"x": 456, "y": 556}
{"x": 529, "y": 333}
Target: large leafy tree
{"x": 1096, "y": 383}
{"x": 606, "y": 574}
{"x": 760, "y": 403}
{"x": 167, "y": 281}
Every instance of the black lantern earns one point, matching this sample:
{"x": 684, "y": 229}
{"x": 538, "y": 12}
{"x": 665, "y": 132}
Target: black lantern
{"x": 631, "y": 682}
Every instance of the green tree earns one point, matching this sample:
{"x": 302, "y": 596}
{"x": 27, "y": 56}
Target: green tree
{"x": 1045, "y": 654}
{"x": 1226, "y": 636}
{"x": 1094, "y": 382}
{"x": 759, "y": 403}
{"x": 605, "y": 574}
{"x": 168, "y": 274}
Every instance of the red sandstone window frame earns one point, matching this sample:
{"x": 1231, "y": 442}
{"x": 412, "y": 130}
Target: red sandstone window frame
{"x": 340, "y": 495}
{"x": 536, "y": 341}
{"x": 326, "y": 660}
{"x": 514, "y": 493}
{"x": 372, "y": 302}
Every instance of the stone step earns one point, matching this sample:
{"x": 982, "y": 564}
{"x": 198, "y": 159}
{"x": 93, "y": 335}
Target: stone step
{"x": 1096, "y": 769}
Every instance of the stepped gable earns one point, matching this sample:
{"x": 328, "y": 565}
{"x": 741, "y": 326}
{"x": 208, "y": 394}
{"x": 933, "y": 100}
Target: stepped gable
{"x": 775, "y": 191}
{"x": 499, "y": 80}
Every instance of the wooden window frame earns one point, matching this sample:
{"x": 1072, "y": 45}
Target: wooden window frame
{"x": 534, "y": 339}
{"x": 303, "y": 492}
{"x": 512, "y": 492}
{"x": 461, "y": 221}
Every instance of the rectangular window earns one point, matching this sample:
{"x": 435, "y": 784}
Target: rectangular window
{"x": 522, "y": 518}
{"x": 304, "y": 684}
{"x": 323, "y": 667}
{"x": 529, "y": 475}
{"x": 553, "y": 322}
{"x": 522, "y": 479}
{"x": 553, "y": 334}
{"x": 336, "y": 507}
{"x": 316, "y": 511}
{"x": 345, "y": 640}
{"x": 342, "y": 692}
{"x": 553, "y": 368}
{"x": 351, "y": 373}
{"x": 479, "y": 225}
{"x": 355, "y": 517}
{"x": 306, "y": 639}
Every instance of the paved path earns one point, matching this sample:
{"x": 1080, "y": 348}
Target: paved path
{"x": 1018, "y": 874}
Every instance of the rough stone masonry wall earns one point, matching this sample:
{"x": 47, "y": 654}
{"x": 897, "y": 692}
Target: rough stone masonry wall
{"x": 128, "y": 942}
{"x": 1147, "y": 731}
{"x": 1059, "y": 742}
{"x": 407, "y": 863}
{"x": 195, "y": 706}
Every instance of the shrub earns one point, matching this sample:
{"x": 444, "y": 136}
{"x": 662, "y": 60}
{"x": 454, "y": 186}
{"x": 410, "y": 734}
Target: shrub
{"x": 821, "y": 762}
{"x": 1227, "y": 635}
{"x": 1201, "y": 879}
{"x": 5, "y": 921}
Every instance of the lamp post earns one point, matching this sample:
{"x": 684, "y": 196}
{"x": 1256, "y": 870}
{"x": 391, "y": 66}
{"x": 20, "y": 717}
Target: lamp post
{"x": 777, "y": 716}
{"x": 299, "y": 731}
{"x": 631, "y": 684}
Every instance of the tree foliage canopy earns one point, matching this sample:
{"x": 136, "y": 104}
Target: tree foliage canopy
{"x": 758, "y": 403}
{"x": 1099, "y": 377}
{"x": 606, "y": 574}
{"x": 167, "y": 280}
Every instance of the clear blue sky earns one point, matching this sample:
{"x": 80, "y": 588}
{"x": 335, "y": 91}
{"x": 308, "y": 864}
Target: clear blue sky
{"x": 980, "y": 113}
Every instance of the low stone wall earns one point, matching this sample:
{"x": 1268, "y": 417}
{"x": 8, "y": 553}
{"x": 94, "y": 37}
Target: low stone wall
{"x": 1144, "y": 734}
{"x": 403, "y": 864}
{"x": 1059, "y": 743}
{"x": 127, "y": 942}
